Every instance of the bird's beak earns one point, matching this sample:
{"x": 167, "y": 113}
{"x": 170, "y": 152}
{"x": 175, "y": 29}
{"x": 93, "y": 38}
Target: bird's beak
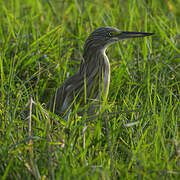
{"x": 132, "y": 34}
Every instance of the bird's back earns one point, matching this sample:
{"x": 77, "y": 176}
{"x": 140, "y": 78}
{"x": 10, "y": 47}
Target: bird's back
{"x": 82, "y": 88}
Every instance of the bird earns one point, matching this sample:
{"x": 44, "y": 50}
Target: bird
{"x": 90, "y": 84}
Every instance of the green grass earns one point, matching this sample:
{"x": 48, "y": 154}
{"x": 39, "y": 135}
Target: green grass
{"x": 41, "y": 44}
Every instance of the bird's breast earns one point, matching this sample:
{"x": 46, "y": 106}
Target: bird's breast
{"x": 106, "y": 76}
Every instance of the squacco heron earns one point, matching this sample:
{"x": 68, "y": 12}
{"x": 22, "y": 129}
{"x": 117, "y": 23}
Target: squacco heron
{"x": 92, "y": 80}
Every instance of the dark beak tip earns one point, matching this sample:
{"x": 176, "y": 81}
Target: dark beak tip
{"x": 151, "y": 34}
{"x": 146, "y": 34}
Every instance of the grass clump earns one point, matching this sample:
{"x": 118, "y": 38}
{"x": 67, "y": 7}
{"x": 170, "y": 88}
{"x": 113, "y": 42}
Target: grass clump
{"x": 41, "y": 46}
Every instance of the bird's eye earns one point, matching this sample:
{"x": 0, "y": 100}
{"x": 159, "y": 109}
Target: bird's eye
{"x": 109, "y": 34}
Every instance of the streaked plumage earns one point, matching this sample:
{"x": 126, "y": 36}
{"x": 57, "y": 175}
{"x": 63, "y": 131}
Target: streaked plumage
{"x": 94, "y": 71}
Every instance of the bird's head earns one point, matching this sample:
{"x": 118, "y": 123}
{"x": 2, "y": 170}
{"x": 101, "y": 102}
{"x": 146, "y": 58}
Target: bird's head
{"x": 101, "y": 38}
